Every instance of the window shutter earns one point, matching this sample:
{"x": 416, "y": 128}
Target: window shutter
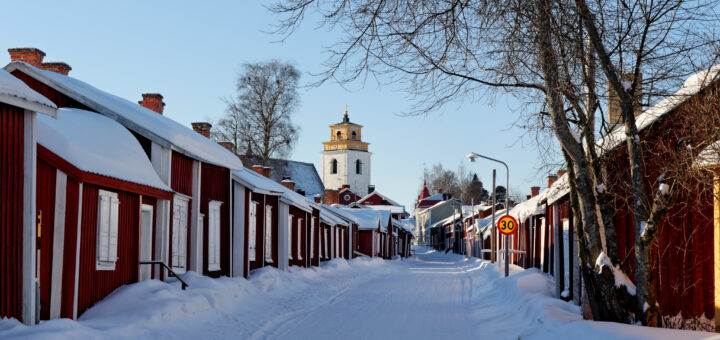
{"x": 290, "y": 238}
{"x": 113, "y": 239}
{"x": 176, "y": 224}
{"x": 312, "y": 238}
{"x": 299, "y": 241}
{"x": 268, "y": 233}
{"x": 252, "y": 232}
{"x": 182, "y": 238}
{"x": 103, "y": 228}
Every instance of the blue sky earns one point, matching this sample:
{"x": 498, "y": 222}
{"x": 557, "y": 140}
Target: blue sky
{"x": 191, "y": 52}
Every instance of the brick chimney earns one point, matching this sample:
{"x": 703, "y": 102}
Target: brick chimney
{"x": 561, "y": 173}
{"x": 202, "y": 128}
{"x": 227, "y": 145}
{"x": 57, "y": 67}
{"x": 30, "y": 55}
{"x": 263, "y": 170}
{"x": 614, "y": 114}
{"x": 551, "y": 179}
{"x": 331, "y": 197}
{"x": 153, "y": 101}
{"x": 527, "y": 197}
{"x": 318, "y": 198}
{"x": 534, "y": 191}
{"x": 288, "y": 183}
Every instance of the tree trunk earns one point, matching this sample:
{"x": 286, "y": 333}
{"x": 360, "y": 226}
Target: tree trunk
{"x": 602, "y": 295}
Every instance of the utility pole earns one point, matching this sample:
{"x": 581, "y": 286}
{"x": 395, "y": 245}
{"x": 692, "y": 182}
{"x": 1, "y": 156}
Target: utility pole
{"x": 493, "y": 232}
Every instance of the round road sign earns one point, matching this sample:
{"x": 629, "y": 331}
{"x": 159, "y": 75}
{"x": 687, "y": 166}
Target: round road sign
{"x": 507, "y": 225}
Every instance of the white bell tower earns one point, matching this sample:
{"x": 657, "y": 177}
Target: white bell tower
{"x": 345, "y": 158}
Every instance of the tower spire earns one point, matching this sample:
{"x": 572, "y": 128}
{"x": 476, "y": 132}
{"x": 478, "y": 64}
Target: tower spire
{"x": 346, "y": 119}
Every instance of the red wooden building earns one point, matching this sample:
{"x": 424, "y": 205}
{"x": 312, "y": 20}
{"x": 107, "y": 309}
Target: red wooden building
{"x": 194, "y": 227}
{"x": 19, "y": 106}
{"x": 97, "y": 195}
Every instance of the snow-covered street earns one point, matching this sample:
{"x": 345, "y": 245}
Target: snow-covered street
{"x": 429, "y": 296}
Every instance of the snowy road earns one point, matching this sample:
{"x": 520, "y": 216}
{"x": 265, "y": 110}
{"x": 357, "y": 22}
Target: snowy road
{"x": 427, "y": 298}
{"x": 431, "y": 296}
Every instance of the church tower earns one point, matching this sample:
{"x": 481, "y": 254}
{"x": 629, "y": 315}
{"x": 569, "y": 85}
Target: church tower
{"x": 345, "y": 158}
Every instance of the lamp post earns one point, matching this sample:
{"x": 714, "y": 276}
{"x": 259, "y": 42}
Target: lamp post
{"x": 472, "y": 157}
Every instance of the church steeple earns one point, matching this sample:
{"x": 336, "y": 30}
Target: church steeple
{"x": 346, "y": 158}
{"x": 346, "y": 135}
{"x": 346, "y": 119}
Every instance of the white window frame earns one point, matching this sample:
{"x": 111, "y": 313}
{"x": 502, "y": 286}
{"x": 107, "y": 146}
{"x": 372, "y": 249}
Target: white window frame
{"x": 252, "y": 231}
{"x": 290, "y": 238}
{"x": 299, "y": 238}
{"x": 214, "y": 215}
{"x": 178, "y": 258}
{"x": 268, "y": 234}
{"x": 107, "y": 230}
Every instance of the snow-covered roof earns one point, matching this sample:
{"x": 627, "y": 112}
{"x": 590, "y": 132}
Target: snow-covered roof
{"x": 304, "y": 175}
{"x": 263, "y": 185}
{"x": 369, "y": 219}
{"x": 485, "y": 223}
{"x": 96, "y": 144}
{"x": 330, "y": 218}
{"x": 156, "y": 127}
{"x": 341, "y": 213}
{"x": 393, "y": 209}
{"x": 558, "y": 190}
{"x": 528, "y": 208}
{"x": 16, "y": 93}
{"x": 692, "y": 85}
{"x": 382, "y": 196}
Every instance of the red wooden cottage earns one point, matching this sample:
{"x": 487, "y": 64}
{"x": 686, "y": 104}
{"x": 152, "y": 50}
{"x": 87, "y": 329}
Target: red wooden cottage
{"x": 281, "y": 227}
{"x": 97, "y": 194}
{"x": 350, "y": 234}
{"x": 194, "y": 227}
{"x": 19, "y": 106}
{"x": 373, "y": 226}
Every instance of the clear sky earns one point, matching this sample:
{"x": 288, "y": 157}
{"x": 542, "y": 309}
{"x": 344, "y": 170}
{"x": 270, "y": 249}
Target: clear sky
{"x": 190, "y": 52}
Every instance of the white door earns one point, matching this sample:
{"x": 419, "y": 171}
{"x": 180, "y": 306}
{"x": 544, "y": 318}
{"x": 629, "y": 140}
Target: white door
{"x": 146, "y": 230}
{"x": 214, "y": 235}
{"x": 252, "y": 231}
{"x": 179, "y": 238}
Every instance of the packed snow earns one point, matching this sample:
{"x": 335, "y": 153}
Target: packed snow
{"x": 13, "y": 90}
{"x": 430, "y": 296}
{"x": 97, "y": 144}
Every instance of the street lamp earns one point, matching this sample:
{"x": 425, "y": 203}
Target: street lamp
{"x": 472, "y": 157}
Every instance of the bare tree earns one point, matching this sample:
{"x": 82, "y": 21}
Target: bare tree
{"x": 259, "y": 117}
{"x": 561, "y": 57}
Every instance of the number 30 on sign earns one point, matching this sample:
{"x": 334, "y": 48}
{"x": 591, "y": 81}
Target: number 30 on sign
{"x": 507, "y": 225}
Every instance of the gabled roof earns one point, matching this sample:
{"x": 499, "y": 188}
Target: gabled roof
{"x": 381, "y": 196}
{"x": 96, "y": 144}
{"x": 690, "y": 87}
{"x": 260, "y": 184}
{"x": 304, "y": 175}
{"x": 156, "y": 127}
{"x": 369, "y": 219}
{"x": 16, "y": 93}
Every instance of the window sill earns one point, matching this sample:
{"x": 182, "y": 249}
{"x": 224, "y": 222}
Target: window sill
{"x": 104, "y": 265}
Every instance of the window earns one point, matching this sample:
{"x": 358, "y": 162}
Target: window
{"x": 338, "y": 135}
{"x": 214, "y": 235}
{"x": 358, "y": 167}
{"x": 268, "y": 234}
{"x": 299, "y": 238}
{"x": 354, "y": 135}
{"x": 333, "y": 166}
{"x": 107, "y": 230}
{"x": 252, "y": 231}
{"x": 179, "y": 233}
{"x": 312, "y": 238}
{"x": 290, "y": 238}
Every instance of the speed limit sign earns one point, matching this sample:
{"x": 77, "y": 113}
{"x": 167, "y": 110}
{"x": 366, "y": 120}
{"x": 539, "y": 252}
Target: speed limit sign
{"x": 507, "y": 225}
